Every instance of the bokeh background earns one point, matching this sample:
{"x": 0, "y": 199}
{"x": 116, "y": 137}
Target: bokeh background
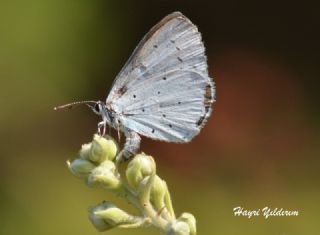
{"x": 260, "y": 148}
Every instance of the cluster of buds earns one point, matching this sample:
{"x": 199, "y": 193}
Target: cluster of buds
{"x": 139, "y": 185}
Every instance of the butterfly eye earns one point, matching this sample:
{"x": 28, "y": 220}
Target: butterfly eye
{"x": 97, "y": 108}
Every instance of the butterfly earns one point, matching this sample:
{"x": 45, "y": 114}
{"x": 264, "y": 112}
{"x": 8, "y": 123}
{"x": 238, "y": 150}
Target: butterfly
{"x": 163, "y": 92}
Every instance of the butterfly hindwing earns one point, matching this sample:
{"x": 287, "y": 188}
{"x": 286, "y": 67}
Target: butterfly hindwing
{"x": 173, "y": 109}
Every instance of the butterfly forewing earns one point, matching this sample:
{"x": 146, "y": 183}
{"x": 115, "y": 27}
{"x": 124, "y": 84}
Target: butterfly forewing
{"x": 164, "y": 91}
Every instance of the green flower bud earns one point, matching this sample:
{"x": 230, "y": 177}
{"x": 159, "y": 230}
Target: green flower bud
{"x": 106, "y": 216}
{"x": 191, "y": 221}
{"x": 102, "y": 149}
{"x": 157, "y": 193}
{"x": 139, "y": 167}
{"x": 105, "y": 175}
{"x": 85, "y": 151}
{"x": 80, "y": 167}
{"x": 99, "y": 223}
{"x": 178, "y": 228}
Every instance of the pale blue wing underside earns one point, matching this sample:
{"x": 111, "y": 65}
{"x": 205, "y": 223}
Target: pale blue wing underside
{"x": 173, "y": 110}
{"x": 164, "y": 90}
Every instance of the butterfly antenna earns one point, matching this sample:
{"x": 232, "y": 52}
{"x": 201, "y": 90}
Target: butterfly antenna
{"x": 74, "y": 104}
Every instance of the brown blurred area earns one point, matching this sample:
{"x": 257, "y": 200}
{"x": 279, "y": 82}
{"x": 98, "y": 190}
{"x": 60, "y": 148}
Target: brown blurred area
{"x": 259, "y": 148}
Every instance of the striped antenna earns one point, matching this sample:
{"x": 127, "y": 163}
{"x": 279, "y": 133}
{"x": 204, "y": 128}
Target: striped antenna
{"x": 73, "y": 104}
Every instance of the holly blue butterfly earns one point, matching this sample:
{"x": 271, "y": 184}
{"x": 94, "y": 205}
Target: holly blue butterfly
{"x": 163, "y": 92}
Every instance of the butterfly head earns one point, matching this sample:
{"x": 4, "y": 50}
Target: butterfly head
{"x": 97, "y": 107}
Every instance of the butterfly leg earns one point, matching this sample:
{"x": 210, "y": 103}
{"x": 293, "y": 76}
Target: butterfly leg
{"x": 131, "y": 146}
{"x": 101, "y": 128}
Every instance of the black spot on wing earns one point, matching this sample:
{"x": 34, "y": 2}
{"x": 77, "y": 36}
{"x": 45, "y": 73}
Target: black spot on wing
{"x": 143, "y": 68}
{"x": 200, "y": 121}
{"x": 208, "y": 92}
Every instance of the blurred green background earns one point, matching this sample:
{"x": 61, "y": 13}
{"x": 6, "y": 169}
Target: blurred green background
{"x": 260, "y": 148}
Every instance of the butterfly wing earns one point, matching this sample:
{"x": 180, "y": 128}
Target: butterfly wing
{"x": 164, "y": 90}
